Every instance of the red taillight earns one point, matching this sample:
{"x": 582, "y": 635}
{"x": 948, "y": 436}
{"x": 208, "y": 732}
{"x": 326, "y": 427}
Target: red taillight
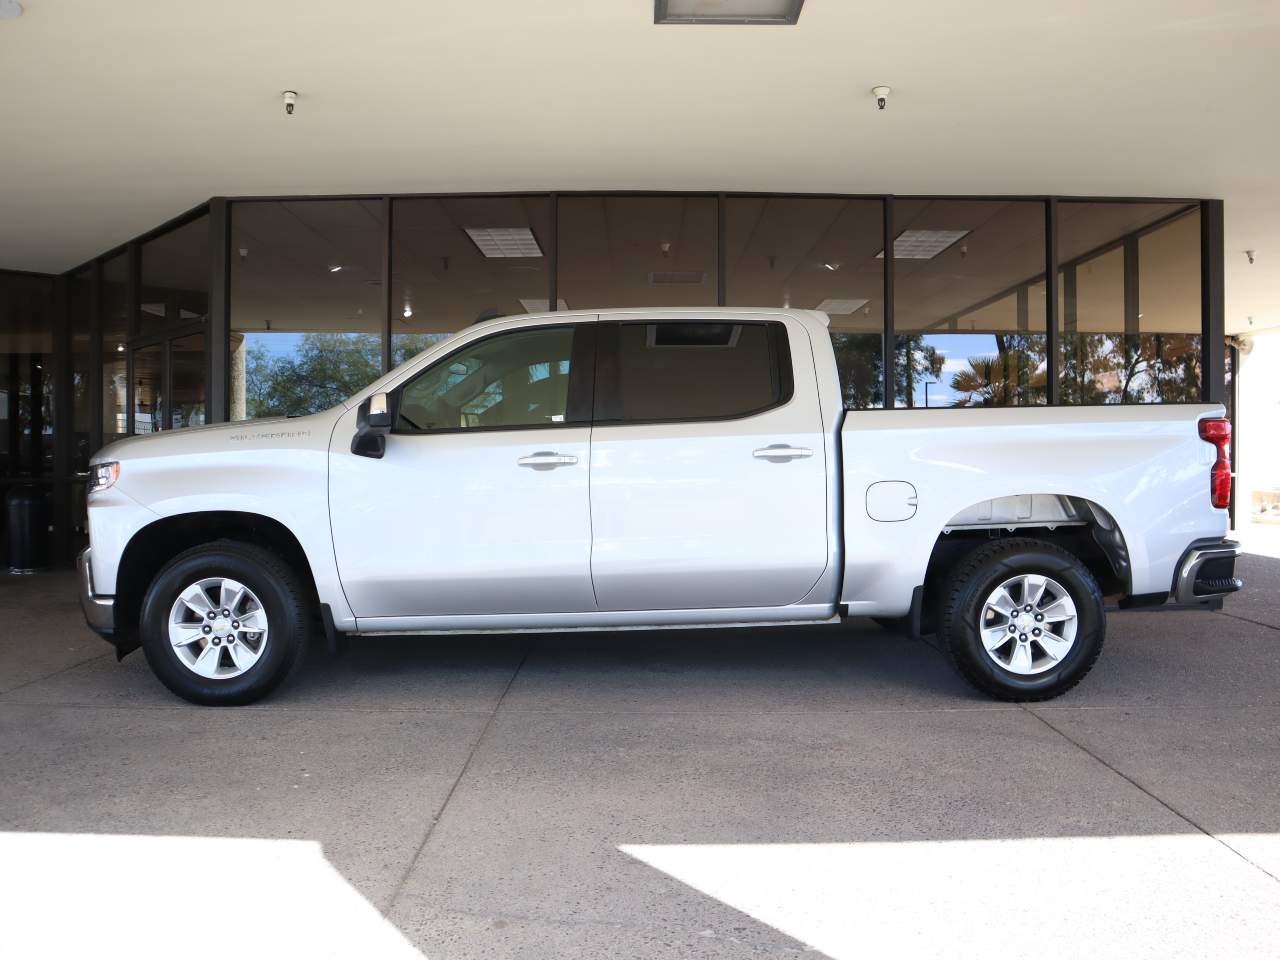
{"x": 1218, "y": 432}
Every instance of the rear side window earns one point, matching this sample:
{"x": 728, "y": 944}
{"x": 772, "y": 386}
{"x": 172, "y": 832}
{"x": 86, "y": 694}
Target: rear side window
{"x": 694, "y": 370}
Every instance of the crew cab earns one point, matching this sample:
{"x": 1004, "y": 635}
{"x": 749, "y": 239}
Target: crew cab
{"x": 651, "y": 467}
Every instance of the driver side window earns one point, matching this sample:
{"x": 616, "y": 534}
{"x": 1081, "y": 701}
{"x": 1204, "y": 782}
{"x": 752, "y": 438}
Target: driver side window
{"x": 516, "y": 379}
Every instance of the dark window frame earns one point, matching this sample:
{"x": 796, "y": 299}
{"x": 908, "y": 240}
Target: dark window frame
{"x": 608, "y": 395}
{"x": 578, "y": 404}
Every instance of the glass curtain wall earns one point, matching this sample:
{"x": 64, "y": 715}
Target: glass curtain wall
{"x": 169, "y": 335}
{"x": 114, "y": 309}
{"x": 80, "y": 315}
{"x": 649, "y": 251}
{"x": 310, "y": 318}
{"x": 969, "y": 303}
{"x": 1129, "y": 303}
{"x": 26, "y": 387}
{"x": 816, "y": 254}
{"x": 307, "y": 307}
{"x": 456, "y": 261}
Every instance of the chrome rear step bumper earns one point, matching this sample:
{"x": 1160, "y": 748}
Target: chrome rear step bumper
{"x": 1206, "y": 572}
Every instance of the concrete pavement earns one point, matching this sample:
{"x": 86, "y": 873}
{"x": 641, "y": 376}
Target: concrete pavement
{"x": 706, "y": 793}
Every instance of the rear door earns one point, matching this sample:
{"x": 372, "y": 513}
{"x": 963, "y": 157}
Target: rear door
{"x": 708, "y": 470}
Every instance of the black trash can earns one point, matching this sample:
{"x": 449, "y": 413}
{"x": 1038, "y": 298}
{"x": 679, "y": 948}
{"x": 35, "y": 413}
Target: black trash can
{"x": 28, "y": 528}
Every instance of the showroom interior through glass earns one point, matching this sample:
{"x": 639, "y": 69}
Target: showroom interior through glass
{"x": 256, "y": 307}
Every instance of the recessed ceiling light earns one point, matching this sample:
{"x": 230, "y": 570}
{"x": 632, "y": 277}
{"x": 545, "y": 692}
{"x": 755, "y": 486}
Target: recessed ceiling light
{"x": 540, "y": 306}
{"x": 769, "y": 12}
{"x": 840, "y": 307}
{"x": 10, "y": 9}
{"x": 505, "y": 241}
{"x": 334, "y": 268}
{"x": 119, "y": 348}
{"x": 833, "y": 266}
{"x": 408, "y": 311}
{"x": 922, "y": 244}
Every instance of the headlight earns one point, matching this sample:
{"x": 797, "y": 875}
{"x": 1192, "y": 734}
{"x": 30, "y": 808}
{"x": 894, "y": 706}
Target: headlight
{"x": 103, "y": 475}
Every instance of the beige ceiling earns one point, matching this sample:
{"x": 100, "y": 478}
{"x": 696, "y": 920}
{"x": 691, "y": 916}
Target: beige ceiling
{"x": 114, "y": 117}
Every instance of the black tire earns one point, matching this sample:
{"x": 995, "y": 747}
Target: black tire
{"x": 282, "y": 596}
{"x": 981, "y": 572}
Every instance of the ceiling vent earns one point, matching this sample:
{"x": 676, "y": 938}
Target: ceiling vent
{"x": 540, "y": 306}
{"x": 766, "y": 12}
{"x": 923, "y": 244}
{"x": 499, "y": 242}
{"x": 840, "y": 307}
{"x": 676, "y": 278}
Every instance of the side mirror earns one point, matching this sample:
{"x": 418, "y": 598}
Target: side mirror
{"x": 373, "y": 423}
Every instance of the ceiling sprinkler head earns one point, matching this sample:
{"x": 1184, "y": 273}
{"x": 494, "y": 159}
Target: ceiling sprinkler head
{"x": 290, "y": 101}
{"x": 881, "y": 94}
{"x": 1249, "y": 254}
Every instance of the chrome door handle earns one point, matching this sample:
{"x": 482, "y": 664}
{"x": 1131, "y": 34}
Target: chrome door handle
{"x": 547, "y": 460}
{"x": 781, "y": 453}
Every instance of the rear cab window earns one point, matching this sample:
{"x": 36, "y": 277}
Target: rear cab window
{"x": 664, "y": 371}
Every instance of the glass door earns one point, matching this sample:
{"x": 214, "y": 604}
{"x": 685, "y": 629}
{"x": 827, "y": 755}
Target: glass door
{"x": 148, "y": 388}
{"x": 187, "y": 386}
{"x": 169, "y": 390}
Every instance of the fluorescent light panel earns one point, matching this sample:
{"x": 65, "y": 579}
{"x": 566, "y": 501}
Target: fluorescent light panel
{"x": 840, "y": 307}
{"x": 540, "y": 306}
{"x": 768, "y": 12}
{"x": 922, "y": 244}
{"x": 500, "y": 242}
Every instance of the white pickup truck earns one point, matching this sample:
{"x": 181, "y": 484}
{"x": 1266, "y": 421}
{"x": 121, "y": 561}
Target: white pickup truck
{"x": 652, "y": 468}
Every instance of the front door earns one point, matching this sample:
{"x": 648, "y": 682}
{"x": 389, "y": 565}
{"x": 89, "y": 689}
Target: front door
{"x": 708, "y": 468}
{"x": 480, "y": 505}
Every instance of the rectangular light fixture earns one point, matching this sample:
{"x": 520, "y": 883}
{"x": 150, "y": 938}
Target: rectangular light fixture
{"x": 769, "y": 12}
{"x": 839, "y": 308}
{"x": 922, "y": 244}
{"x": 540, "y": 306}
{"x": 497, "y": 242}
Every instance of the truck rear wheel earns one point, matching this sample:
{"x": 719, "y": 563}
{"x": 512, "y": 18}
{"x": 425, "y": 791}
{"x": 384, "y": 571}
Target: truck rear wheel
{"x": 1022, "y": 619}
{"x": 224, "y": 623}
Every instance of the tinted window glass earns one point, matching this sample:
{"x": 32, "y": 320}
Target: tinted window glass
{"x": 970, "y": 314}
{"x": 518, "y": 379}
{"x": 624, "y": 251}
{"x": 818, "y": 254}
{"x": 1129, "y": 303}
{"x": 696, "y": 371}
{"x": 306, "y": 304}
{"x": 457, "y": 260}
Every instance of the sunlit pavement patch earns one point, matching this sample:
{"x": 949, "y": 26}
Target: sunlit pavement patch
{"x": 1094, "y": 897}
{"x": 92, "y": 895}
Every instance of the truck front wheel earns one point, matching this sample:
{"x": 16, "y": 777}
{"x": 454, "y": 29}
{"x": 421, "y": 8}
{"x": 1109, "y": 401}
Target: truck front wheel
{"x": 224, "y": 623}
{"x": 1022, "y": 619}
